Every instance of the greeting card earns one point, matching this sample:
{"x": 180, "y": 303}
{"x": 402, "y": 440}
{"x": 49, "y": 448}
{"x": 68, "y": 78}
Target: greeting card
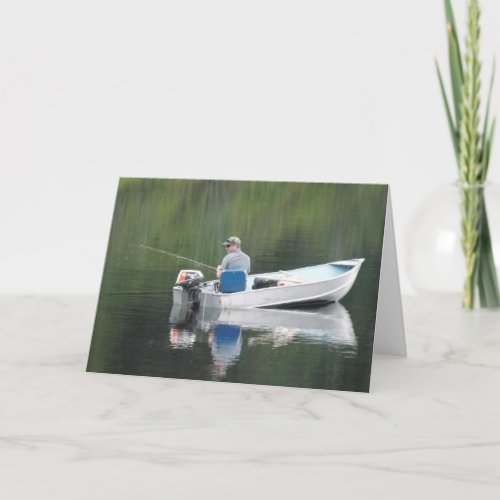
{"x": 274, "y": 283}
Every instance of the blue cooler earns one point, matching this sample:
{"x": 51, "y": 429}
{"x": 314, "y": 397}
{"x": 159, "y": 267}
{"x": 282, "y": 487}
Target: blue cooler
{"x": 233, "y": 280}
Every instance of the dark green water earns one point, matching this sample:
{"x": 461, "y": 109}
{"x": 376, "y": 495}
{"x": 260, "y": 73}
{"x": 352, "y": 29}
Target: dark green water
{"x": 282, "y": 226}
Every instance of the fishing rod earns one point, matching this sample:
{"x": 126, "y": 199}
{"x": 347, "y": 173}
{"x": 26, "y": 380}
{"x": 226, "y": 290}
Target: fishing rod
{"x": 178, "y": 256}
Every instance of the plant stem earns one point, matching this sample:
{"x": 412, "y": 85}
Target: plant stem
{"x": 471, "y": 204}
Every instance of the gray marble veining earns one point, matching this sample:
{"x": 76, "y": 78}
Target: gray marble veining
{"x": 428, "y": 429}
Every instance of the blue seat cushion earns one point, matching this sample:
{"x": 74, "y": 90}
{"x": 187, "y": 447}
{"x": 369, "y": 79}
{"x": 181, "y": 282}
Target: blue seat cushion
{"x": 233, "y": 280}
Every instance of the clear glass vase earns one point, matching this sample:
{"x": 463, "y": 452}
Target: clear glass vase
{"x": 453, "y": 243}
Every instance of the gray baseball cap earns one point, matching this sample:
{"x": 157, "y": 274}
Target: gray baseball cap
{"x": 232, "y": 240}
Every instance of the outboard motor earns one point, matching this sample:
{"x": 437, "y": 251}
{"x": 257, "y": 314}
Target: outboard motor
{"x": 189, "y": 280}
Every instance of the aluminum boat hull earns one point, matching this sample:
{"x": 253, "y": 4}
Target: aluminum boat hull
{"x": 304, "y": 286}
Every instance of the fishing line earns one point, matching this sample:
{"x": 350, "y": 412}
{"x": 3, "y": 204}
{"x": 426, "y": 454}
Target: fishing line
{"x": 178, "y": 256}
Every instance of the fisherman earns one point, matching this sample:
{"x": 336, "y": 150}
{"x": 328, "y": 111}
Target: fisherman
{"x": 235, "y": 258}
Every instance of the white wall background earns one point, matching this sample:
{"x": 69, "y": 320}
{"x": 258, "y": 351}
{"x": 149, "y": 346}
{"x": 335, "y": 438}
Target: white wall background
{"x": 327, "y": 90}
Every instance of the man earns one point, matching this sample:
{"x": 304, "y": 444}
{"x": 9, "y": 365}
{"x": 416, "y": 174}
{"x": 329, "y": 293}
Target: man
{"x": 235, "y": 258}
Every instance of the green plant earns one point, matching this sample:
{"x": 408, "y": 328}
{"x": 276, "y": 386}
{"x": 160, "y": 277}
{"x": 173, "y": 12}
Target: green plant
{"x": 472, "y": 149}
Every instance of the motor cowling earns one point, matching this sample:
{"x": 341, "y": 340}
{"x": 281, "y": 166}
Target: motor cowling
{"x": 189, "y": 278}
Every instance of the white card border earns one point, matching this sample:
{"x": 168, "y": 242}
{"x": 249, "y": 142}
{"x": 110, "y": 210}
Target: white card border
{"x": 389, "y": 337}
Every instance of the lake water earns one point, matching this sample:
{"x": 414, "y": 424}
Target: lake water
{"x": 138, "y": 331}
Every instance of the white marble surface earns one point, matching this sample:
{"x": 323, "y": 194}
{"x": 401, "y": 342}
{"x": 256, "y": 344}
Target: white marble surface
{"x": 430, "y": 428}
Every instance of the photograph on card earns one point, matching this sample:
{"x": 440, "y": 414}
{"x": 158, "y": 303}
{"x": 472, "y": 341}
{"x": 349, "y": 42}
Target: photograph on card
{"x": 255, "y": 282}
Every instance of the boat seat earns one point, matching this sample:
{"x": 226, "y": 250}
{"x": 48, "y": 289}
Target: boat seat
{"x": 233, "y": 280}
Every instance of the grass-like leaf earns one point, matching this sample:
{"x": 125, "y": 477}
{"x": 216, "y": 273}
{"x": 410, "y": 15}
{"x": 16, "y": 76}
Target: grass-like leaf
{"x": 450, "y": 17}
{"x": 487, "y": 149}
{"x": 451, "y": 124}
{"x": 489, "y": 295}
{"x": 485, "y": 135}
{"x": 455, "y": 61}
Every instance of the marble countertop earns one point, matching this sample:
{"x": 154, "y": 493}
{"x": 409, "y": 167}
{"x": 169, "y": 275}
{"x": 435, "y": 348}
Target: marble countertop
{"x": 430, "y": 428}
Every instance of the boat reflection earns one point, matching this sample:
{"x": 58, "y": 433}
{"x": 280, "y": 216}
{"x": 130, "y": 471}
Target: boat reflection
{"x": 222, "y": 330}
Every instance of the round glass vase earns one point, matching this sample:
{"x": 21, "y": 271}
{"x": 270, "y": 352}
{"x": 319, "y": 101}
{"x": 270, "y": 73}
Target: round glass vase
{"x": 443, "y": 243}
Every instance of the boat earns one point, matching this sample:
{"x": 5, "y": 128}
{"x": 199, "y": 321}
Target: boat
{"x": 305, "y": 286}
